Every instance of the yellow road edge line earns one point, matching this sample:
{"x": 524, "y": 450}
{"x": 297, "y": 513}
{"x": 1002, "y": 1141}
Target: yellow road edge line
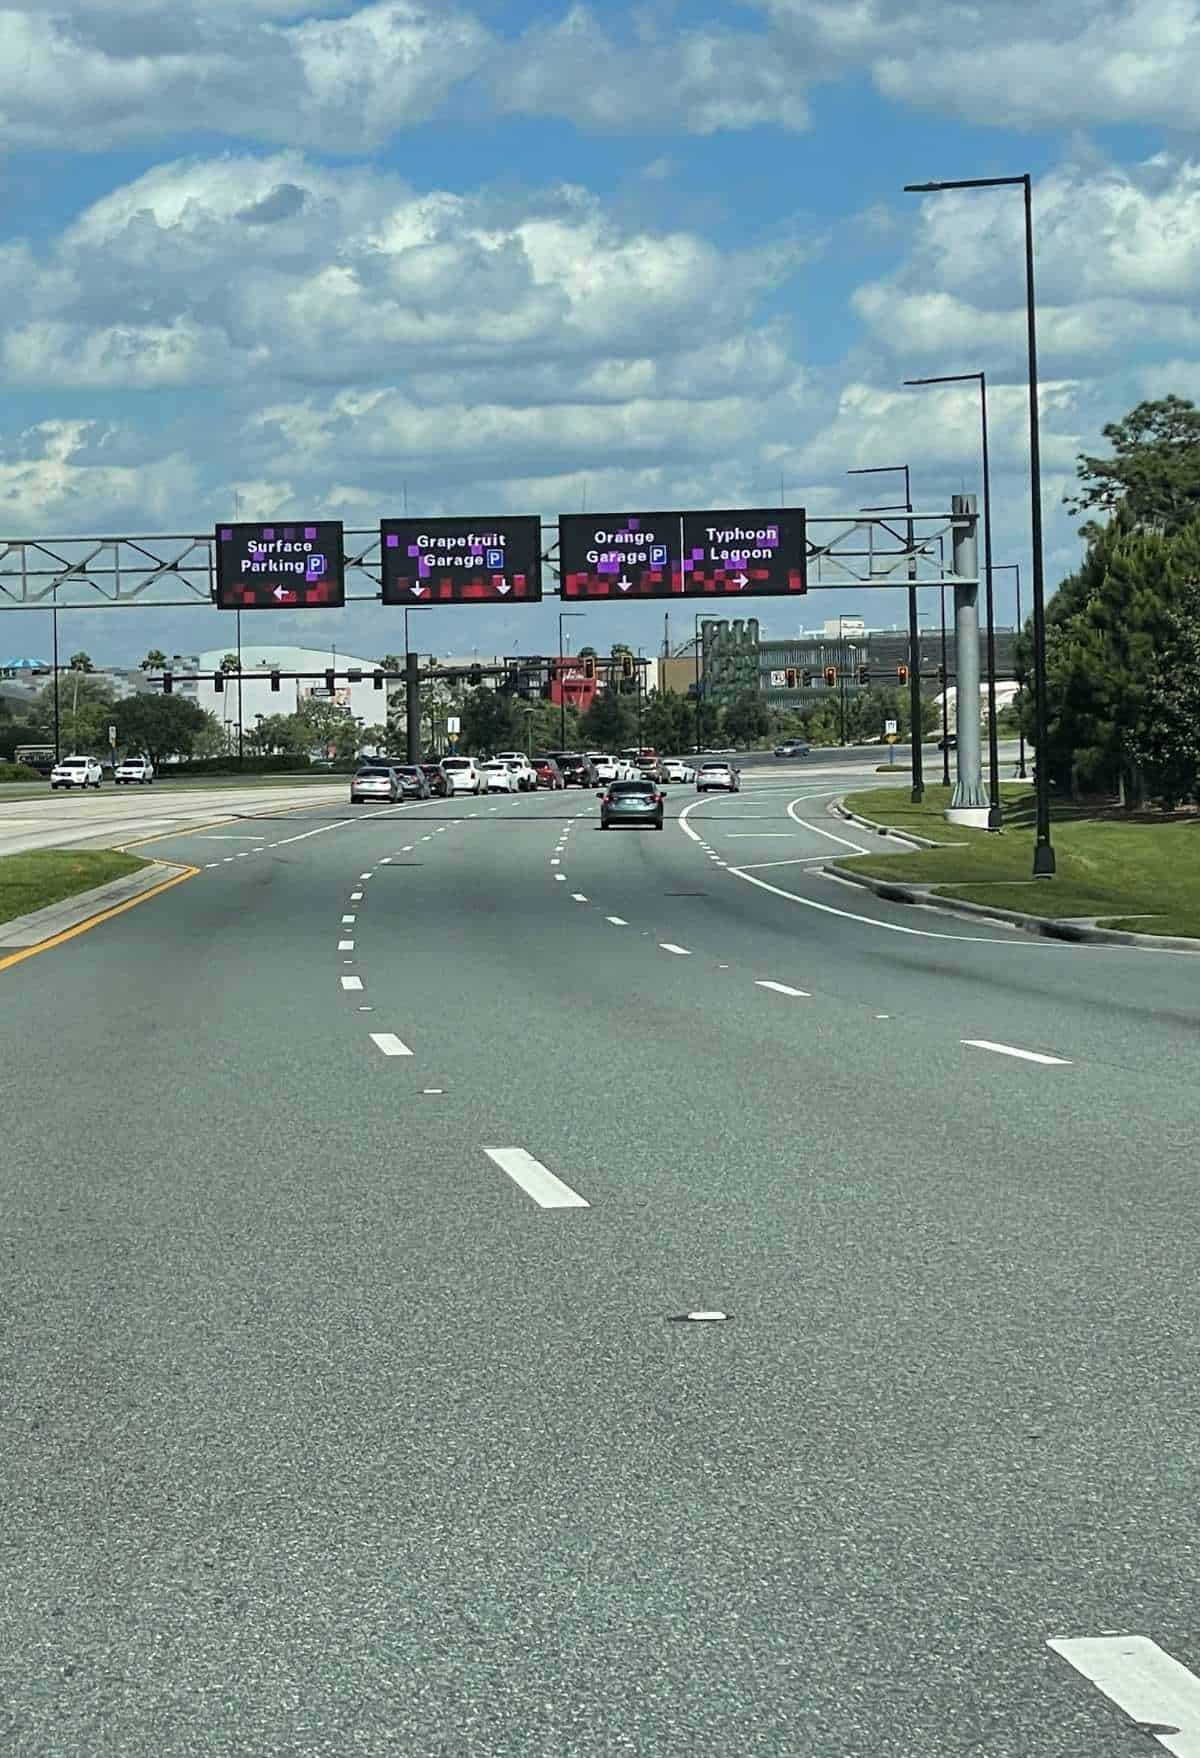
{"x": 117, "y": 909}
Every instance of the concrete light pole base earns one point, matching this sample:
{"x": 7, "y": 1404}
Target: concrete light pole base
{"x": 972, "y": 817}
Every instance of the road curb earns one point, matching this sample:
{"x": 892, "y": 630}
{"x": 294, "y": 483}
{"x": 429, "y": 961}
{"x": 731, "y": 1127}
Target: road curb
{"x": 23, "y": 933}
{"x": 1046, "y": 927}
{"x": 840, "y": 810}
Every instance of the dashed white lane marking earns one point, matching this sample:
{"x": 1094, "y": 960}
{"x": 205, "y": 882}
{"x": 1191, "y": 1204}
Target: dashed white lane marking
{"x": 427, "y": 839}
{"x": 617, "y": 921}
{"x": 356, "y": 897}
{"x": 345, "y": 946}
{"x": 209, "y": 865}
{"x": 408, "y": 850}
{"x": 669, "y": 946}
{"x": 1011, "y": 1050}
{"x": 1154, "y": 1689}
{"x": 349, "y": 921}
{"x": 366, "y": 875}
{"x": 759, "y": 835}
{"x": 352, "y": 983}
{"x": 782, "y": 988}
{"x": 579, "y": 897}
{"x": 242, "y": 853}
{"x": 386, "y": 861}
{"x": 390, "y": 1044}
{"x": 560, "y": 878}
{"x": 547, "y": 1191}
{"x": 554, "y": 861}
{"x": 226, "y": 861}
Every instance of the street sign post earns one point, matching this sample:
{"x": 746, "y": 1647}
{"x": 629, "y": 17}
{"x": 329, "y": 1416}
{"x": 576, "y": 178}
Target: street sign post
{"x": 461, "y": 561}
{"x": 280, "y": 567}
{"x": 112, "y": 735}
{"x": 742, "y": 554}
{"x": 891, "y": 726}
{"x": 453, "y": 723}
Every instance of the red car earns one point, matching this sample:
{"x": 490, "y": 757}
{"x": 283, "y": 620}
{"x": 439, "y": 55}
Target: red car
{"x": 548, "y": 773}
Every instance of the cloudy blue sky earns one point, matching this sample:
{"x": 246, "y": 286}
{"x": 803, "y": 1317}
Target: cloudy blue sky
{"x": 505, "y": 255}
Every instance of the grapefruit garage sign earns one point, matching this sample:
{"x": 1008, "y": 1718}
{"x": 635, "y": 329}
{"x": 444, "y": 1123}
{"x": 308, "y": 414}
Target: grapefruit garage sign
{"x": 459, "y": 561}
{"x": 683, "y": 555}
{"x": 280, "y": 567}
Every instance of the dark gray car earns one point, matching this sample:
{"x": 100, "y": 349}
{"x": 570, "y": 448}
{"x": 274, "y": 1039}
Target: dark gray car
{"x": 631, "y": 802}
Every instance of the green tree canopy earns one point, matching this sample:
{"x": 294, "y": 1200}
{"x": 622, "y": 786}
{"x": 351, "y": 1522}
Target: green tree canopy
{"x": 329, "y": 725}
{"x": 80, "y": 662}
{"x": 155, "y": 660}
{"x": 1153, "y": 473}
{"x": 161, "y": 726}
{"x": 610, "y": 723}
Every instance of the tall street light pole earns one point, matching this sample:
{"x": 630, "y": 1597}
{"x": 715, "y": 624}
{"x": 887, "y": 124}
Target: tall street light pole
{"x": 914, "y": 633}
{"x": 563, "y": 615}
{"x": 995, "y": 815}
{"x": 699, "y": 741}
{"x": 1043, "y": 852}
{"x": 1015, "y": 568}
{"x": 57, "y": 724}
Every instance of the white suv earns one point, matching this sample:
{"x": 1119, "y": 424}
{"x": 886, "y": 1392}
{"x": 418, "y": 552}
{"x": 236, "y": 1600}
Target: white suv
{"x": 76, "y": 772}
{"x": 139, "y": 769}
{"x": 463, "y": 775}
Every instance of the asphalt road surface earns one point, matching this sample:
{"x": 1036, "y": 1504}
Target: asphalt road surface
{"x": 354, "y": 1195}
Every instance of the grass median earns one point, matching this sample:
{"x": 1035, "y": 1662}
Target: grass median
{"x": 41, "y": 877}
{"x": 1143, "y": 877}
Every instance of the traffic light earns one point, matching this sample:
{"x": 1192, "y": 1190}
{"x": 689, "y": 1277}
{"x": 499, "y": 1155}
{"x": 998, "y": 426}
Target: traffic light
{"x": 589, "y": 669}
{"x": 378, "y": 680}
{"x": 275, "y": 680}
{"x": 330, "y": 681}
{"x": 475, "y": 677}
{"x": 627, "y": 665}
{"x": 806, "y": 679}
{"x": 354, "y": 676}
{"x": 831, "y": 675}
{"x": 168, "y": 683}
{"x": 901, "y": 674}
{"x": 864, "y": 674}
{"x": 219, "y": 682}
{"x": 790, "y": 674}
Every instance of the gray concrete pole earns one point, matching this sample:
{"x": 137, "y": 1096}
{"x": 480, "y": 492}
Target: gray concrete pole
{"x": 969, "y": 801}
{"x": 412, "y": 707}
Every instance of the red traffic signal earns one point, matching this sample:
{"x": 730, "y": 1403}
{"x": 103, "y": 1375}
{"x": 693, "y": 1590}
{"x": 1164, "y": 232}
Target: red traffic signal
{"x": 902, "y": 674}
{"x": 790, "y": 674}
{"x": 831, "y": 675}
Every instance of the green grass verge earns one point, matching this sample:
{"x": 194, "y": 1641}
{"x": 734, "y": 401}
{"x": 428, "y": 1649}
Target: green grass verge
{"x": 44, "y": 876}
{"x": 1141, "y": 877}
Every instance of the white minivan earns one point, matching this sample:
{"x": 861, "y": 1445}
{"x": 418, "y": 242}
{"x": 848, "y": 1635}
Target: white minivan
{"x": 463, "y": 775}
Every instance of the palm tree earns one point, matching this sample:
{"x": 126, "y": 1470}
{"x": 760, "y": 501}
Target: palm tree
{"x": 155, "y": 660}
{"x": 80, "y": 662}
{"x": 231, "y": 662}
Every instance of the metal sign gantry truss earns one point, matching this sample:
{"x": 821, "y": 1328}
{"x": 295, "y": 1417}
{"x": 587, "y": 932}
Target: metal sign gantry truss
{"x": 80, "y": 573}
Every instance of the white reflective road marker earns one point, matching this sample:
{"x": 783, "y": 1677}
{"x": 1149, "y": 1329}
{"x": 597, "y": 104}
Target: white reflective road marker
{"x": 390, "y": 1044}
{"x": 669, "y": 946}
{"x": 782, "y": 989}
{"x": 1151, "y": 1686}
{"x": 547, "y": 1191}
{"x": 579, "y": 897}
{"x": 345, "y": 946}
{"x": 352, "y": 983}
{"x": 617, "y": 921}
{"x": 1010, "y": 1050}
{"x": 561, "y": 878}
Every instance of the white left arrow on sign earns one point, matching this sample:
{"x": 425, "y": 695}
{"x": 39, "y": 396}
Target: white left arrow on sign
{"x": 281, "y": 592}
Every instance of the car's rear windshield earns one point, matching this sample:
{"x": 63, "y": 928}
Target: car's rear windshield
{"x": 632, "y": 787}
{"x": 456, "y": 763}
{"x": 75, "y": 763}
{"x": 376, "y": 770}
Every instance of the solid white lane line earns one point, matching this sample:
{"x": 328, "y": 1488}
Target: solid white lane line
{"x": 352, "y": 983}
{"x": 1150, "y": 1685}
{"x": 781, "y": 988}
{"x": 547, "y": 1191}
{"x": 745, "y": 835}
{"x": 345, "y": 946}
{"x": 795, "y": 861}
{"x": 390, "y": 1044}
{"x": 617, "y": 921}
{"x": 828, "y": 909}
{"x": 349, "y": 921}
{"x": 669, "y": 946}
{"x": 1011, "y": 1050}
{"x": 579, "y": 897}
{"x": 809, "y": 825}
